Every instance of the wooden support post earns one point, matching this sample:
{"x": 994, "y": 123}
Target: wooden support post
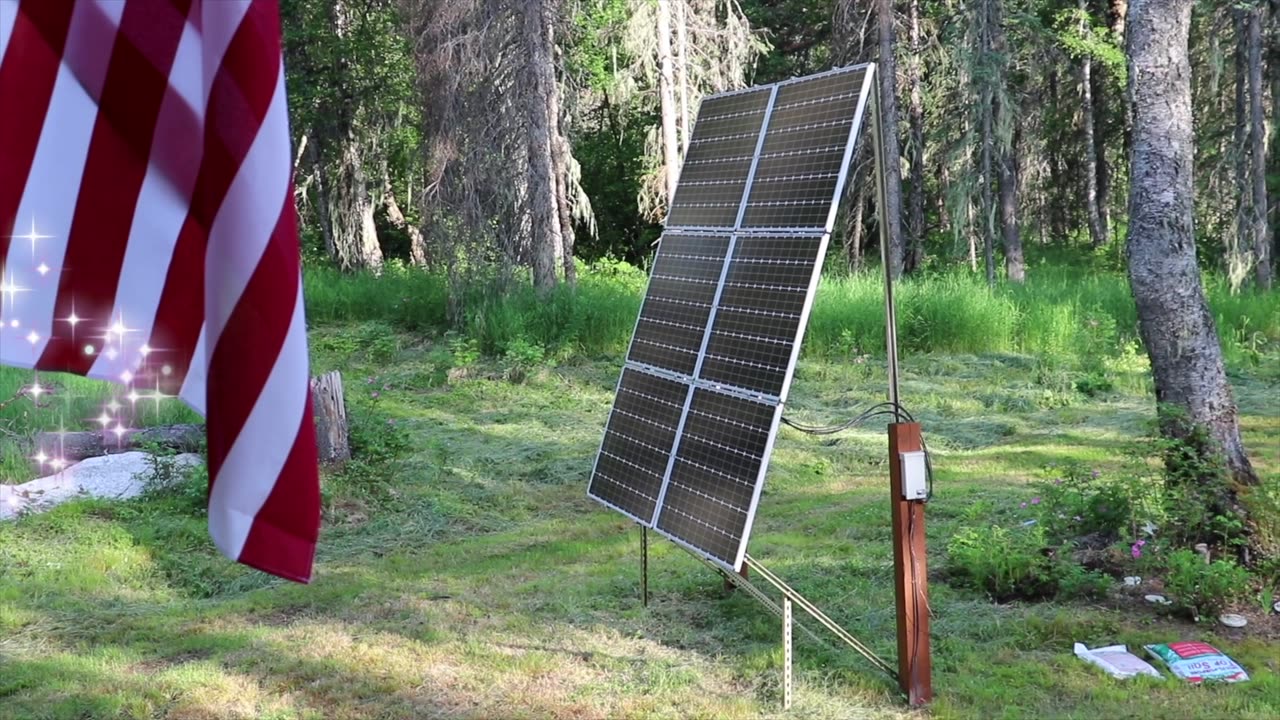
{"x": 910, "y": 572}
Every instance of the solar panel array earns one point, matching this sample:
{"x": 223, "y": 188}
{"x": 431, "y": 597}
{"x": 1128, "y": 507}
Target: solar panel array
{"x": 700, "y": 397}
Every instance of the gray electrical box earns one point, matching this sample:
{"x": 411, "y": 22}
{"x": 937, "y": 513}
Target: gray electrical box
{"x": 915, "y": 475}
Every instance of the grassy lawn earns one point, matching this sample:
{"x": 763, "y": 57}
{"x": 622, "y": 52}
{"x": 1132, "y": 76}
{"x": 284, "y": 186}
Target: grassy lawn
{"x": 464, "y": 573}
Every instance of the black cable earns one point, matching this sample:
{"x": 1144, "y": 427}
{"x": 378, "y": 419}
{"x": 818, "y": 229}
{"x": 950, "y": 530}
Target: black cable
{"x": 889, "y": 408}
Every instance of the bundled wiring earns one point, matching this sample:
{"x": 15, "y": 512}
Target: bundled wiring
{"x": 879, "y": 410}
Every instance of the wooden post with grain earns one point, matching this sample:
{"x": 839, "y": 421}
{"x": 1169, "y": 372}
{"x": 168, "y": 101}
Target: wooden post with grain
{"x": 330, "y": 409}
{"x": 911, "y": 583}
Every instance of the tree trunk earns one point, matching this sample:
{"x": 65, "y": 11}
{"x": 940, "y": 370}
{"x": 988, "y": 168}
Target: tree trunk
{"x": 1097, "y": 232}
{"x": 892, "y": 211}
{"x": 1008, "y": 133}
{"x": 1100, "y": 141}
{"x": 417, "y": 245}
{"x": 561, "y": 158}
{"x": 986, "y": 135}
{"x": 1014, "y": 264}
{"x": 853, "y": 246}
{"x": 915, "y": 146}
{"x": 667, "y": 100}
{"x": 540, "y": 87}
{"x": 1274, "y": 71}
{"x": 350, "y": 212}
{"x": 332, "y": 433}
{"x": 1258, "y": 151}
{"x": 682, "y": 70}
{"x": 322, "y": 201}
{"x": 1239, "y": 251}
{"x": 1193, "y": 396}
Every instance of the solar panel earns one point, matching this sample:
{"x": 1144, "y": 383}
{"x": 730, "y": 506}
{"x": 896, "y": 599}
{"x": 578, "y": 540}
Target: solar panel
{"x": 717, "y": 474}
{"x": 757, "y": 323}
{"x": 682, "y": 288}
{"x": 688, "y": 443}
{"x": 803, "y": 154}
{"x": 719, "y": 159}
{"x": 633, "y": 457}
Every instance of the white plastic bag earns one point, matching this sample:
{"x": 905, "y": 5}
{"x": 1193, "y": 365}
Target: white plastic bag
{"x": 1116, "y": 661}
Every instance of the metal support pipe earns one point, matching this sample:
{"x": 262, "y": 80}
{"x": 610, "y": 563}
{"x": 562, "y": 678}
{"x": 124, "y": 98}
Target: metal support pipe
{"x": 786, "y": 653}
{"x": 891, "y": 319}
{"x": 821, "y": 617}
{"x": 644, "y": 566}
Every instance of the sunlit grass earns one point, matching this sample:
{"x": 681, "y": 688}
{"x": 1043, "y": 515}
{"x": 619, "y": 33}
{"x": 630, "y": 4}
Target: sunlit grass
{"x": 471, "y": 577}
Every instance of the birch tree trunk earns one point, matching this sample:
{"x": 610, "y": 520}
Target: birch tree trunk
{"x": 892, "y": 211}
{"x": 667, "y": 99}
{"x": 682, "y": 70}
{"x": 1195, "y": 402}
{"x": 1240, "y": 250}
{"x": 1258, "y": 150}
{"x": 986, "y": 135}
{"x": 540, "y": 87}
{"x": 915, "y": 146}
{"x": 1093, "y": 209}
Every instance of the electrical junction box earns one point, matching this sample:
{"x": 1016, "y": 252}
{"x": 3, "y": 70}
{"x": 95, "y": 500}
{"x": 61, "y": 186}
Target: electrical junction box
{"x": 915, "y": 475}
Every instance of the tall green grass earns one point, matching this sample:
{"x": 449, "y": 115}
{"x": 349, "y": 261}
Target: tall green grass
{"x": 1060, "y": 312}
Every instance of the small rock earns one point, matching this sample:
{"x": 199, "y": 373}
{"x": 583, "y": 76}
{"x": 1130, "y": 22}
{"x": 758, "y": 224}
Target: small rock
{"x": 1132, "y": 581}
{"x": 1232, "y": 620}
{"x": 1276, "y": 607}
{"x": 1157, "y": 600}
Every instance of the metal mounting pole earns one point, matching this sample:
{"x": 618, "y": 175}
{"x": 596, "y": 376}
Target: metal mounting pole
{"x": 786, "y": 653}
{"x": 891, "y": 320}
{"x": 644, "y": 566}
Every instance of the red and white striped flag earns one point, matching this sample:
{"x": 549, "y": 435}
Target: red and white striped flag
{"x": 148, "y": 236}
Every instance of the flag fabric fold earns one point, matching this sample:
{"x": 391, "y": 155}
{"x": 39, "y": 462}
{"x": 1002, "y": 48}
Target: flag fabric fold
{"x": 148, "y": 237}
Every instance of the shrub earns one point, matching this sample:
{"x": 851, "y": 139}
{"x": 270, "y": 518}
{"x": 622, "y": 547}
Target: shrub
{"x": 1203, "y": 588}
{"x": 1018, "y": 564}
{"x": 1005, "y": 563}
{"x": 1081, "y": 503}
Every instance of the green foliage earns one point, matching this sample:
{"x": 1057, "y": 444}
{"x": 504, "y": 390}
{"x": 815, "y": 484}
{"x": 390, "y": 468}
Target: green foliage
{"x": 1082, "y": 502}
{"x": 1095, "y": 40}
{"x": 1004, "y": 563}
{"x": 1203, "y": 588}
{"x": 1062, "y": 317}
{"x": 1018, "y": 563}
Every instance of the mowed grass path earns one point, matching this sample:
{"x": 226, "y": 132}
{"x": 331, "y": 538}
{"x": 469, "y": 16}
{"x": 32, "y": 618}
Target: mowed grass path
{"x": 471, "y": 577}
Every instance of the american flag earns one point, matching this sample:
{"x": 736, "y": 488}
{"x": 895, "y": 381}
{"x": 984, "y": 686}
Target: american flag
{"x": 148, "y": 237}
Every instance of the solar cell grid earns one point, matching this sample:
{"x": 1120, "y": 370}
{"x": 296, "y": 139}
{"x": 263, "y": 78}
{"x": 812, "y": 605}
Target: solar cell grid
{"x": 757, "y": 321}
{"x": 682, "y": 287}
{"x": 803, "y": 152}
{"x": 718, "y": 160}
{"x": 718, "y": 467}
{"x": 637, "y": 444}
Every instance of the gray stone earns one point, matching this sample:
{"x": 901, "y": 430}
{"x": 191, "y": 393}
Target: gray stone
{"x": 119, "y": 476}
